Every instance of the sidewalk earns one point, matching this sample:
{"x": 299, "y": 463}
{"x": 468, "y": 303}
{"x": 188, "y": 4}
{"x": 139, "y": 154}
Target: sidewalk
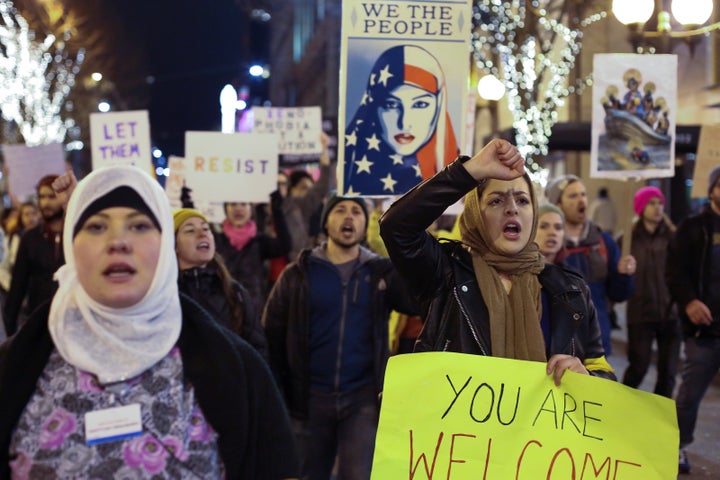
{"x": 704, "y": 453}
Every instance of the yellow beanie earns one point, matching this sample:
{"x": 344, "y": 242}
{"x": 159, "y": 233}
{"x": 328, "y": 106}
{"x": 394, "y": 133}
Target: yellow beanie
{"x": 184, "y": 213}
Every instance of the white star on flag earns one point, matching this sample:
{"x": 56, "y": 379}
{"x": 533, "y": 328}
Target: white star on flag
{"x": 372, "y": 79}
{"x": 388, "y": 183}
{"x": 385, "y": 75}
{"x": 364, "y": 165}
{"x": 418, "y": 172}
{"x": 365, "y": 98}
{"x": 351, "y": 139}
{"x": 373, "y": 142}
{"x": 397, "y": 159}
{"x": 351, "y": 193}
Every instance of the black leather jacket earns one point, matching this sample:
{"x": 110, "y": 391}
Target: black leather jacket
{"x": 441, "y": 275}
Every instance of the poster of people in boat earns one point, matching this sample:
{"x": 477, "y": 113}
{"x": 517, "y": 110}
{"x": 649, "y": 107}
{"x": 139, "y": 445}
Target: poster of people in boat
{"x": 403, "y": 92}
{"x": 633, "y": 123}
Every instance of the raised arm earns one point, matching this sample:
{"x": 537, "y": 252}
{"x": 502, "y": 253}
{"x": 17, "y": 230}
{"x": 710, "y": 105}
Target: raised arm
{"x": 415, "y": 253}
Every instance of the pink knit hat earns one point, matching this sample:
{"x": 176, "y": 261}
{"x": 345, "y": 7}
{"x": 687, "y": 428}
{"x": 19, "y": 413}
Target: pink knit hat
{"x": 643, "y": 196}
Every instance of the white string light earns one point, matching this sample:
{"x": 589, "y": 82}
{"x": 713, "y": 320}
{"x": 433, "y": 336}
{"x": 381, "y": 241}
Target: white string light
{"x": 527, "y": 46}
{"x": 35, "y": 79}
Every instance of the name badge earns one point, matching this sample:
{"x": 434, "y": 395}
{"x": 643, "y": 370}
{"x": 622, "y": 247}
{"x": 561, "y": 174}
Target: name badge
{"x": 111, "y": 424}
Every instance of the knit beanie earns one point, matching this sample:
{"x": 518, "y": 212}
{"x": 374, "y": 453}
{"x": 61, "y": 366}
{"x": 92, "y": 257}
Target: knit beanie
{"x": 547, "y": 207}
{"x": 123, "y": 196}
{"x": 185, "y": 213}
{"x": 555, "y": 188}
{"x": 333, "y": 199}
{"x": 714, "y": 177}
{"x": 643, "y": 196}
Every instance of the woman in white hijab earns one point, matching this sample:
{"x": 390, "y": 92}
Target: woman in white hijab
{"x": 121, "y": 377}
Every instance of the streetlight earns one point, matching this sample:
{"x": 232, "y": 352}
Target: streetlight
{"x": 691, "y": 14}
{"x": 490, "y": 88}
{"x": 228, "y": 106}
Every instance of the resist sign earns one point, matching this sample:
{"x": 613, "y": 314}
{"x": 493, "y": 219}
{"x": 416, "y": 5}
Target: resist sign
{"x": 455, "y": 416}
{"x": 231, "y": 167}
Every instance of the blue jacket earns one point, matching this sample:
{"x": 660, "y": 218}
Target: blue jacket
{"x": 596, "y": 257}
{"x": 287, "y": 320}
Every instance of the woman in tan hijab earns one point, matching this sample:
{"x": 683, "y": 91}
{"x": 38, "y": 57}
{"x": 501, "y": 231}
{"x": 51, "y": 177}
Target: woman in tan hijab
{"x": 492, "y": 293}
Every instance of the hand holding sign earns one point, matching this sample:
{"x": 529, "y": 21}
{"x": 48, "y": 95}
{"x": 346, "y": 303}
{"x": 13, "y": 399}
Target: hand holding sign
{"x": 455, "y": 416}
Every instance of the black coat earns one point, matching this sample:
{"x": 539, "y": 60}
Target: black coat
{"x": 442, "y": 277}
{"x": 38, "y": 258}
{"x": 204, "y": 286}
{"x": 232, "y": 383}
{"x": 687, "y": 270}
{"x": 247, "y": 265}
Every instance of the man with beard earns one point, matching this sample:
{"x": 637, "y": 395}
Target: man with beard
{"x": 326, "y": 323}
{"x": 692, "y": 275}
{"x": 592, "y": 252}
{"x": 39, "y": 255}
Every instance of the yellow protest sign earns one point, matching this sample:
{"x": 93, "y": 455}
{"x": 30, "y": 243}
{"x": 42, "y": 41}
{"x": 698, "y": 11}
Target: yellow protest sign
{"x": 455, "y": 416}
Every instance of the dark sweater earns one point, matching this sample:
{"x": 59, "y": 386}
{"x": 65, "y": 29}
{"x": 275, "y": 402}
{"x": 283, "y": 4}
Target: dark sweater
{"x": 232, "y": 383}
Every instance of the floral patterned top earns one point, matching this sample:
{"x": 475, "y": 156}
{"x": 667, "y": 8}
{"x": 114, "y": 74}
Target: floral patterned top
{"x": 176, "y": 441}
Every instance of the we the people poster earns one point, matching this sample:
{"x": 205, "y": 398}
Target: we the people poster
{"x": 404, "y": 72}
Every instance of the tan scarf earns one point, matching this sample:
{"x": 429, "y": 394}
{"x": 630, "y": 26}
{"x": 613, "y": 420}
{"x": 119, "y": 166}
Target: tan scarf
{"x": 515, "y": 330}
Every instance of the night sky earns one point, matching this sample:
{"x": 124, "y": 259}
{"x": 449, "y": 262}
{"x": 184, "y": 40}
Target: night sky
{"x": 189, "y": 49}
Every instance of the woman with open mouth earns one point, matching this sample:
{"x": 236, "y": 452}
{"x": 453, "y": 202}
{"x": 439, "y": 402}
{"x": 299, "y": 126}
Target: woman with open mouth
{"x": 204, "y": 277}
{"x": 121, "y": 376}
{"x": 492, "y": 293}
{"x": 550, "y": 236}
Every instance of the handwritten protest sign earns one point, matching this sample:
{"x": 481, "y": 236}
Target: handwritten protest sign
{"x": 121, "y": 138}
{"x": 173, "y": 189}
{"x": 26, "y": 165}
{"x": 455, "y": 416}
{"x": 298, "y": 128}
{"x": 237, "y": 167}
{"x": 708, "y": 157}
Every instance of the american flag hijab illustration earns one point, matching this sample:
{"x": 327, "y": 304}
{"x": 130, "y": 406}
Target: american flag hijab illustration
{"x": 396, "y": 139}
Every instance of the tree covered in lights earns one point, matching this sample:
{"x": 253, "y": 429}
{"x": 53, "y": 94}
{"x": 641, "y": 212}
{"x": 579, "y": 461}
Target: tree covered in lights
{"x": 529, "y": 46}
{"x": 36, "y": 76}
